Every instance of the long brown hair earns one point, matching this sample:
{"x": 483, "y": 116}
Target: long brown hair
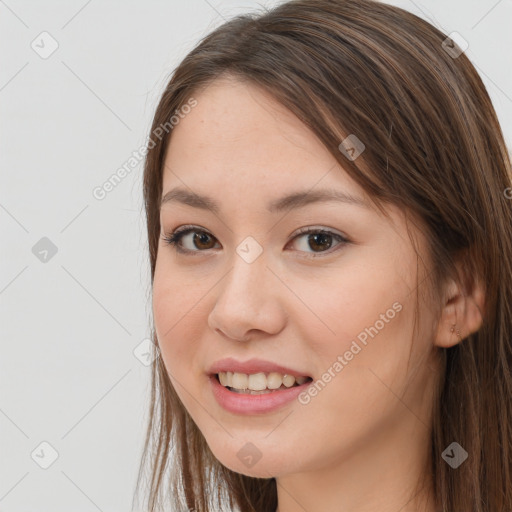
{"x": 435, "y": 148}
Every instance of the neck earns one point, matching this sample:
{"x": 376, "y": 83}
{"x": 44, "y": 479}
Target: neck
{"x": 384, "y": 475}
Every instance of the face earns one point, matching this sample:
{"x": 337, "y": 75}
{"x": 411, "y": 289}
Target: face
{"x": 320, "y": 290}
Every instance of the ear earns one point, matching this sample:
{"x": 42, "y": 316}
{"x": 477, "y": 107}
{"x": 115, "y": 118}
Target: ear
{"x": 461, "y": 314}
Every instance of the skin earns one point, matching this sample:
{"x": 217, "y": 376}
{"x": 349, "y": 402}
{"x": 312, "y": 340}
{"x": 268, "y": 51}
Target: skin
{"x": 362, "y": 442}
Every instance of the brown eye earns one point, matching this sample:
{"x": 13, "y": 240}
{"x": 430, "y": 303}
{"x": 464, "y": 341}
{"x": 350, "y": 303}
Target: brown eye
{"x": 190, "y": 240}
{"x": 320, "y": 241}
{"x": 313, "y": 241}
{"x": 202, "y": 240}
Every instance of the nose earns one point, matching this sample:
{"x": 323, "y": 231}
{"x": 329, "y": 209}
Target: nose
{"x": 249, "y": 299}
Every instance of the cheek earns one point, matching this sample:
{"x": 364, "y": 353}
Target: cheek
{"x": 178, "y": 331}
{"x": 351, "y": 398}
{"x": 176, "y": 310}
{"x": 360, "y": 339}
{"x": 359, "y": 302}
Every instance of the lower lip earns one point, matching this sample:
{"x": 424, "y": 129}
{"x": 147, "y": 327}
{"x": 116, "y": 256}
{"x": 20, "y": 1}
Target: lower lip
{"x": 240, "y": 403}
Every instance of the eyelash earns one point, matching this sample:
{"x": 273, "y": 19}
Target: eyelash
{"x": 174, "y": 239}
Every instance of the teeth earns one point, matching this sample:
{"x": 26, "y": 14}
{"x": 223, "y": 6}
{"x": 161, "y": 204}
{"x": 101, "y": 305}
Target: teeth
{"x": 274, "y": 380}
{"x": 239, "y": 381}
{"x": 223, "y": 379}
{"x": 288, "y": 380}
{"x": 258, "y": 381}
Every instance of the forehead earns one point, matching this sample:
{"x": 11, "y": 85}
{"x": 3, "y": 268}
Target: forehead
{"x": 238, "y": 136}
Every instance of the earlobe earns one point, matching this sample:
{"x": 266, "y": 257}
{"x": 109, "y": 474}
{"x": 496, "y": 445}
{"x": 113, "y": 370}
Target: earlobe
{"x": 461, "y": 315}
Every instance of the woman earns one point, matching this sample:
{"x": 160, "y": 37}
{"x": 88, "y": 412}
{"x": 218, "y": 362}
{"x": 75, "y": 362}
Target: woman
{"x": 330, "y": 232}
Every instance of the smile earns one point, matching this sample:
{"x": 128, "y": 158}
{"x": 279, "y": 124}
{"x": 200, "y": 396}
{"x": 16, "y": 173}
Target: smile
{"x": 254, "y": 386}
{"x": 259, "y": 383}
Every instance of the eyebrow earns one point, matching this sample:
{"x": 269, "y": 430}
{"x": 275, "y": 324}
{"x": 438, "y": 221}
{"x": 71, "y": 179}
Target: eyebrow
{"x": 292, "y": 201}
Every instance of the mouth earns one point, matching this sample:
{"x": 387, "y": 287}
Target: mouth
{"x": 255, "y": 386}
{"x": 260, "y": 383}
{"x": 234, "y": 391}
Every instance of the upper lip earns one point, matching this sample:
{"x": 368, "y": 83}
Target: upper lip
{"x": 252, "y": 366}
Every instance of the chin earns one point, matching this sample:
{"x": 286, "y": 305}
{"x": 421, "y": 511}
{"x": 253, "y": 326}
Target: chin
{"x": 247, "y": 459}
{"x": 259, "y": 470}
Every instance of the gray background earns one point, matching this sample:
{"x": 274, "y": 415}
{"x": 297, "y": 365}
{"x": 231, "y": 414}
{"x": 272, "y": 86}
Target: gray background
{"x": 70, "y": 324}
